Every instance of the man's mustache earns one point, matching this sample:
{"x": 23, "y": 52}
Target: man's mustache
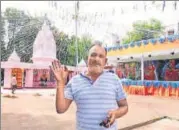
{"x": 95, "y": 63}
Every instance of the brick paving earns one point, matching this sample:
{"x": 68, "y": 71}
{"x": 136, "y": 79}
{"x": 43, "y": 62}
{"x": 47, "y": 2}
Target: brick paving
{"x": 29, "y": 112}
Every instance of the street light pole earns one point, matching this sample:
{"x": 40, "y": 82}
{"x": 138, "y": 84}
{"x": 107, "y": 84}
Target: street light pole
{"x": 0, "y": 50}
{"x": 76, "y": 29}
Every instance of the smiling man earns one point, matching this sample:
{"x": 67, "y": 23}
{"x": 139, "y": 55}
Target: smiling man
{"x": 98, "y": 94}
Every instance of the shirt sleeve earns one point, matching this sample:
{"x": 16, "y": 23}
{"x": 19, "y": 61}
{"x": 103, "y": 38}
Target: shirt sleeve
{"x": 120, "y": 93}
{"x": 68, "y": 90}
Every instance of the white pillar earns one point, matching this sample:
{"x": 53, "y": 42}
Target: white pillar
{"x": 142, "y": 67}
{"x": 29, "y": 78}
{"x": 7, "y": 77}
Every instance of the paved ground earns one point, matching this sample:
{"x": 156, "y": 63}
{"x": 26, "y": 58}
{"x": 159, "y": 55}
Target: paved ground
{"x": 29, "y": 112}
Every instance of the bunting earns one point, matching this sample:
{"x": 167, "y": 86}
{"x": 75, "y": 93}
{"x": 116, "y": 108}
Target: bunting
{"x": 93, "y": 19}
{"x": 171, "y": 39}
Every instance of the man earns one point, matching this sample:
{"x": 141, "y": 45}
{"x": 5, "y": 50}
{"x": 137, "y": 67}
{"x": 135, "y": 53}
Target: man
{"x": 13, "y": 83}
{"x": 43, "y": 80}
{"x": 149, "y": 72}
{"x": 171, "y": 73}
{"x": 98, "y": 94}
{"x": 170, "y": 64}
{"x": 120, "y": 71}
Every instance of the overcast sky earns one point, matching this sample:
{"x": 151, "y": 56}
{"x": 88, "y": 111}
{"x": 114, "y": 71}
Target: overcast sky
{"x": 109, "y": 18}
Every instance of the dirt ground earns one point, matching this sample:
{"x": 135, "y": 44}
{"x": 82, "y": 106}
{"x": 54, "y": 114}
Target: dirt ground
{"x": 164, "y": 124}
{"x": 29, "y": 112}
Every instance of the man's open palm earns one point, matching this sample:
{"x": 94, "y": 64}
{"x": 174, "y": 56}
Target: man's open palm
{"x": 60, "y": 72}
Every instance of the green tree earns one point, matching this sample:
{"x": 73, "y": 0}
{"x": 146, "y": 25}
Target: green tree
{"x": 62, "y": 43}
{"x": 3, "y": 49}
{"x": 16, "y": 19}
{"x": 23, "y": 30}
{"x": 25, "y": 38}
{"x": 83, "y": 45}
{"x": 66, "y": 49}
{"x": 143, "y": 30}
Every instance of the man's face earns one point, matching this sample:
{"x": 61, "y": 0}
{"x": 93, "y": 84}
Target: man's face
{"x": 150, "y": 66}
{"x": 96, "y": 60}
{"x": 120, "y": 67}
{"x": 172, "y": 63}
{"x": 126, "y": 66}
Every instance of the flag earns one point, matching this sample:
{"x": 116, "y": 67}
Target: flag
{"x": 145, "y": 7}
{"x": 113, "y": 12}
{"x": 78, "y": 6}
{"x": 163, "y": 6}
{"x": 122, "y": 11}
{"x": 115, "y": 38}
{"x": 55, "y": 4}
{"x": 175, "y": 5}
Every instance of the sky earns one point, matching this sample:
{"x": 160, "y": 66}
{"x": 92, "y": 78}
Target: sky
{"x": 108, "y": 20}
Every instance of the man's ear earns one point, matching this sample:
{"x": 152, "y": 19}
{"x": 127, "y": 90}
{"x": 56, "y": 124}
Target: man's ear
{"x": 106, "y": 60}
{"x": 86, "y": 58}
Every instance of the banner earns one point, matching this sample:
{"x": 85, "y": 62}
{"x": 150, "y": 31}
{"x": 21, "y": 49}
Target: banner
{"x": 162, "y": 70}
{"x": 129, "y": 70}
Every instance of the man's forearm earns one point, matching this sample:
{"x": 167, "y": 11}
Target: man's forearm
{"x": 121, "y": 111}
{"x": 60, "y": 100}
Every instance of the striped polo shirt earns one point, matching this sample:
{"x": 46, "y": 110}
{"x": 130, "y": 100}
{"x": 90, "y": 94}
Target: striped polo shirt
{"x": 94, "y": 99}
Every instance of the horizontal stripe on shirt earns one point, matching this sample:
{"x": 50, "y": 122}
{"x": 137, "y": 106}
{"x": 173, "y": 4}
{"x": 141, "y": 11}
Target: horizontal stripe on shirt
{"x": 94, "y": 99}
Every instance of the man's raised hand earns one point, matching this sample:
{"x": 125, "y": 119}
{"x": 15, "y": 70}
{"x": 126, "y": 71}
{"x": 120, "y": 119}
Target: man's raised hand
{"x": 60, "y": 72}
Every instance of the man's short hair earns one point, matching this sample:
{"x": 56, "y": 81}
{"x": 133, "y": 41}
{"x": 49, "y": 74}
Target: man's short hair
{"x": 99, "y": 43}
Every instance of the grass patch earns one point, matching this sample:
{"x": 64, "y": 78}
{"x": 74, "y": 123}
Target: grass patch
{"x": 37, "y": 94}
{"x": 10, "y": 96}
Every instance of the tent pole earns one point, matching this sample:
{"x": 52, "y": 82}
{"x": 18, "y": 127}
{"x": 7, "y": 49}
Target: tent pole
{"x": 142, "y": 67}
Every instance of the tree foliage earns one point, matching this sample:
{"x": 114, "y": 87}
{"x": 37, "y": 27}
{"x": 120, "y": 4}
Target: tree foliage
{"x": 143, "y": 30}
{"x": 23, "y": 29}
{"x": 3, "y": 49}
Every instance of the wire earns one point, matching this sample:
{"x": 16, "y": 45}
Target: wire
{"x": 19, "y": 38}
{"x": 25, "y": 26}
{"x": 59, "y": 49}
